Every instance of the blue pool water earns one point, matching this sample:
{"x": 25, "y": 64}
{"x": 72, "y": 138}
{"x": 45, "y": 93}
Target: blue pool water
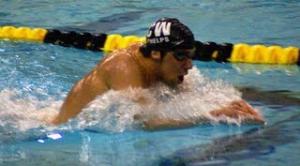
{"x": 35, "y": 78}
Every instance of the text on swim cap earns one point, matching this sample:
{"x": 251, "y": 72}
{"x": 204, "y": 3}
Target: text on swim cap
{"x": 161, "y": 29}
{"x": 158, "y": 40}
{"x": 161, "y": 32}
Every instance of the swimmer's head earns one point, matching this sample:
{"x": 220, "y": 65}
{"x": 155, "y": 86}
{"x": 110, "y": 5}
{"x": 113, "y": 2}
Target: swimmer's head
{"x": 167, "y": 34}
{"x": 172, "y": 43}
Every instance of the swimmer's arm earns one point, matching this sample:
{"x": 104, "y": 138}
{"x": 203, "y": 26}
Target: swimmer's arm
{"x": 235, "y": 110}
{"x": 81, "y": 94}
{"x": 165, "y": 123}
{"x": 116, "y": 76}
{"x": 160, "y": 123}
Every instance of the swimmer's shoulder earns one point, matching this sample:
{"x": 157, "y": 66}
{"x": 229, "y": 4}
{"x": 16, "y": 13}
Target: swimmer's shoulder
{"x": 119, "y": 61}
{"x": 121, "y": 70}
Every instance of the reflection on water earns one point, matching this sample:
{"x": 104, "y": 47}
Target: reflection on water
{"x": 251, "y": 144}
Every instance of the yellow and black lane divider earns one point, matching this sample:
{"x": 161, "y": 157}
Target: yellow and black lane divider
{"x": 226, "y": 52}
{"x": 244, "y": 53}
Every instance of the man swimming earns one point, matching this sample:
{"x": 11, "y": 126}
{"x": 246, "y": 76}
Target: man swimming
{"x": 165, "y": 57}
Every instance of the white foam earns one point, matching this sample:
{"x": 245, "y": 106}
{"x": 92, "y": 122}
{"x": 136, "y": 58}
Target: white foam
{"x": 115, "y": 110}
{"x": 19, "y": 115}
{"x": 194, "y": 99}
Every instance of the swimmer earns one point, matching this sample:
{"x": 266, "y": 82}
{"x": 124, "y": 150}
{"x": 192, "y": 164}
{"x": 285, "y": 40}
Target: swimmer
{"x": 165, "y": 58}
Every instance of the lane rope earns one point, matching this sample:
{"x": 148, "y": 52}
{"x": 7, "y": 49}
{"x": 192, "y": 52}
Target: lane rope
{"x": 205, "y": 51}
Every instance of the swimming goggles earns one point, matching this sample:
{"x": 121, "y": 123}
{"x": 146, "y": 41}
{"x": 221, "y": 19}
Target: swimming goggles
{"x": 181, "y": 55}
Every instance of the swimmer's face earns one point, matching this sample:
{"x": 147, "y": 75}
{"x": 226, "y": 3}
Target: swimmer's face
{"x": 175, "y": 65}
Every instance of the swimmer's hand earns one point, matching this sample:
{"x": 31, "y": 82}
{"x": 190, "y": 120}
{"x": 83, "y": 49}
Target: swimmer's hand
{"x": 240, "y": 110}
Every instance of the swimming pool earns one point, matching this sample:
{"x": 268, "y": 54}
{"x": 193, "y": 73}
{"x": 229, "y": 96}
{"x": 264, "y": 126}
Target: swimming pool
{"x": 36, "y": 77}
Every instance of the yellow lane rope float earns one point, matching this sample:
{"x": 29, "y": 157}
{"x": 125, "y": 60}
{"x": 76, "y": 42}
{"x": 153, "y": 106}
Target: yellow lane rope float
{"x": 226, "y": 52}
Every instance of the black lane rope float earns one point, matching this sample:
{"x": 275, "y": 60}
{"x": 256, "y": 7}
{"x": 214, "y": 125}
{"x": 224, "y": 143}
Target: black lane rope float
{"x": 227, "y": 52}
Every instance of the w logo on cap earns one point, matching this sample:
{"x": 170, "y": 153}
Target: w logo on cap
{"x": 168, "y": 33}
{"x": 160, "y": 29}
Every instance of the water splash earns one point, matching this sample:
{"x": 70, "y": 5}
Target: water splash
{"x": 21, "y": 117}
{"x": 115, "y": 110}
{"x": 194, "y": 99}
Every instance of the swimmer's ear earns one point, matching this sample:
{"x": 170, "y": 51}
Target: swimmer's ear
{"x": 156, "y": 55}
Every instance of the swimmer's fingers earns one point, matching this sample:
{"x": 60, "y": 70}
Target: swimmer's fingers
{"x": 250, "y": 114}
{"x": 240, "y": 110}
{"x": 253, "y": 117}
{"x": 254, "y": 120}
